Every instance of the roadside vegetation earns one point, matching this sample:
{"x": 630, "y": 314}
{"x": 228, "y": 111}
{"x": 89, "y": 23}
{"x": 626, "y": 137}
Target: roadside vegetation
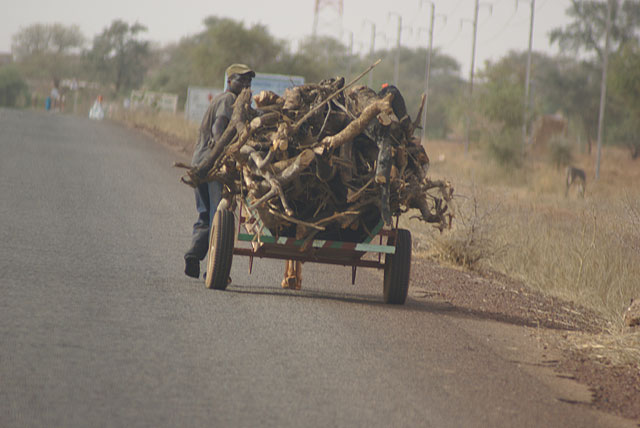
{"x": 14, "y": 91}
{"x": 583, "y": 249}
{"x": 173, "y": 129}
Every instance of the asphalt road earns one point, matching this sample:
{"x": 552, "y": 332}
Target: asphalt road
{"x": 100, "y": 327}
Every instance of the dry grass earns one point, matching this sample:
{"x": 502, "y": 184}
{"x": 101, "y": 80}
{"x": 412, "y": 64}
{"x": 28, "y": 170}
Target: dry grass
{"x": 168, "y": 125}
{"x": 620, "y": 349}
{"x": 520, "y": 224}
{"x": 583, "y": 250}
{"x": 471, "y": 241}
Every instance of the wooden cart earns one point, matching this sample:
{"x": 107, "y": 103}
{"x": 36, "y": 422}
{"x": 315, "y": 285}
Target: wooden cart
{"x": 396, "y": 251}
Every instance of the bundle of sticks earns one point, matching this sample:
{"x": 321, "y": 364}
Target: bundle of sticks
{"x": 325, "y": 161}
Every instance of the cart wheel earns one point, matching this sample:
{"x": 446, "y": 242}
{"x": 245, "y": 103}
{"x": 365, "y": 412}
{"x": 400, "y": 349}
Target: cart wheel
{"x": 397, "y": 268}
{"x": 220, "y": 250}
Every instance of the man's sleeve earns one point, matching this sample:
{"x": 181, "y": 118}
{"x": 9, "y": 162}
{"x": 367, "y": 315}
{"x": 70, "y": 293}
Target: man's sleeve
{"x": 225, "y": 108}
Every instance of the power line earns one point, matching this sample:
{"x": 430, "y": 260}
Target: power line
{"x": 485, "y": 21}
{"x": 455, "y": 8}
{"x": 502, "y": 29}
{"x": 450, "y": 42}
{"x": 508, "y": 23}
{"x": 544, "y": 3}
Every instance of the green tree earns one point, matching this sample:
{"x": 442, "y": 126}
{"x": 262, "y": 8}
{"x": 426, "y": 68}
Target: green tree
{"x": 497, "y": 109}
{"x": 202, "y": 58}
{"x": 445, "y": 85}
{"x": 225, "y": 42}
{"x": 624, "y": 81}
{"x": 318, "y": 58}
{"x": 46, "y": 38}
{"x": 119, "y": 57}
{"x": 173, "y": 71}
{"x": 501, "y": 96}
{"x": 48, "y": 50}
{"x": 568, "y": 86}
{"x": 586, "y": 31}
{"x": 12, "y": 86}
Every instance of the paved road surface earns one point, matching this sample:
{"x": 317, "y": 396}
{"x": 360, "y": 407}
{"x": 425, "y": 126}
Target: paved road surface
{"x": 100, "y": 327}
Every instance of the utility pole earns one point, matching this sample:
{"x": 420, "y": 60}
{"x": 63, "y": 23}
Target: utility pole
{"x": 324, "y": 5}
{"x": 473, "y": 46}
{"x": 603, "y": 85}
{"x": 473, "y": 61}
{"x": 527, "y": 82}
{"x": 396, "y": 65}
{"x": 350, "y": 54}
{"x": 372, "y": 48}
{"x": 427, "y": 70}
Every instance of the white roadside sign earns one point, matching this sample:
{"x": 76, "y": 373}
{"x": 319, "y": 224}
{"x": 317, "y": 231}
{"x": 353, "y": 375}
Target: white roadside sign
{"x": 199, "y": 98}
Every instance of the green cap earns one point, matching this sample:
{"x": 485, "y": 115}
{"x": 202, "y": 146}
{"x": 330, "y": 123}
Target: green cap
{"x": 239, "y": 69}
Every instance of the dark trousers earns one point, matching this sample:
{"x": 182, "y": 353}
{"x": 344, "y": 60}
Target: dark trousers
{"x": 208, "y": 197}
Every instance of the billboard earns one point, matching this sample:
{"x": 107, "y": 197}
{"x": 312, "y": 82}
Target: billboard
{"x": 272, "y": 82}
{"x": 199, "y": 98}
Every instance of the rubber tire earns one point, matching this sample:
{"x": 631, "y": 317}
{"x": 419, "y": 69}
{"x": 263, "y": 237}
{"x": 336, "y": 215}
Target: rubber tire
{"x": 221, "y": 237}
{"x": 397, "y": 269}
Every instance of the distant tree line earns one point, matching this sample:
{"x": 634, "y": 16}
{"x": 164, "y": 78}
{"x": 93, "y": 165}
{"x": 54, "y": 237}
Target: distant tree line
{"x": 123, "y": 59}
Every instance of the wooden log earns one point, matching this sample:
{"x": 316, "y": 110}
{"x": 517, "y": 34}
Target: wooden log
{"x": 268, "y": 98}
{"x": 296, "y": 221}
{"x": 303, "y": 160}
{"x": 281, "y": 139}
{"x": 417, "y": 123}
{"x": 334, "y": 95}
{"x": 266, "y": 120}
{"x": 355, "y": 196}
{"x": 357, "y": 126}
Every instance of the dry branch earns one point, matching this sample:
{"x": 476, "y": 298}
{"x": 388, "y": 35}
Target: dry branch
{"x": 324, "y": 162}
{"x": 358, "y": 125}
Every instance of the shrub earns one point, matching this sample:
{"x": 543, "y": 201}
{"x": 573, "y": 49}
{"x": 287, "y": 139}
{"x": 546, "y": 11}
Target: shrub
{"x": 560, "y": 151}
{"x": 504, "y": 148}
{"x": 12, "y": 87}
{"x": 472, "y": 238}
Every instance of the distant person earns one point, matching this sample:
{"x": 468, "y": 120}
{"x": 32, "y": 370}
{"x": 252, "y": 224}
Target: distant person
{"x": 55, "y": 99}
{"x": 208, "y": 195}
{"x": 97, "y": 111}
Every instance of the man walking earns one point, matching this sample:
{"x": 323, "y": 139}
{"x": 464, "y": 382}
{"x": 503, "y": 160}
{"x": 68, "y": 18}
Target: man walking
{"x": 208, "y": 195}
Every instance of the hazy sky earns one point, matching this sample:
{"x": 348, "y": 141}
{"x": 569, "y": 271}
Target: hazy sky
{"x": 501, "y": 27}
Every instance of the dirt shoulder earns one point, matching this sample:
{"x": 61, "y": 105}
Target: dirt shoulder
{"x": 572, "y": 334}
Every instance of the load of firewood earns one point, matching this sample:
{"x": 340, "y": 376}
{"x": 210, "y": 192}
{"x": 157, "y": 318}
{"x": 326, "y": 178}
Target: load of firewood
{"x": 325, "y": 161}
